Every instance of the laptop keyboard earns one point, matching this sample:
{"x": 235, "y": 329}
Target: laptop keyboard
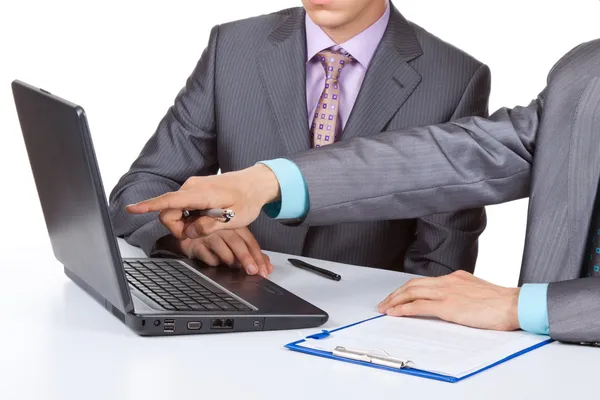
{"x": 176, "y": 288}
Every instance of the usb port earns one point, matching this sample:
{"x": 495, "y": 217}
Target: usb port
{"x": 169, "y": 328}
{"x": 169, "y": 321}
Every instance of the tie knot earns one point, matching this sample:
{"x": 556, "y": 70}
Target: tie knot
{"x": 334, "y": 62}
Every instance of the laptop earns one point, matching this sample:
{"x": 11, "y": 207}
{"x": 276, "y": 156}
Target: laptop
{"x": 152, "y": 296}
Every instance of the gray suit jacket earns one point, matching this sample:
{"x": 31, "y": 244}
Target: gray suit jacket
{"x": 246, "y": 101}
{"x": 474, "y": 162}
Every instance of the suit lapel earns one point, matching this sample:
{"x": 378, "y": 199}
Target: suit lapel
{"x": 389, "y": 81}
{"x": 282, "y": 67}
{"x": 584, "y": 173}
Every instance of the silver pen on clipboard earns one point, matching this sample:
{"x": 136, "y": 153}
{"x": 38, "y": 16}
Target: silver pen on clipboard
{"x": 378, "y": 359}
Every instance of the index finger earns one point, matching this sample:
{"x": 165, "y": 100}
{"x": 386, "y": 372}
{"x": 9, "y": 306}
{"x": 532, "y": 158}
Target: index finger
{"x": 180, "y": 199}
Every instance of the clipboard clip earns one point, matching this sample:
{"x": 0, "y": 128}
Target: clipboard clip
{"x": 320, "y": 335}
{"x": 378, "y": 359}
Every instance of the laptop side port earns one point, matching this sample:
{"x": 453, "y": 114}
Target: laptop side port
{"x": 194, "y": 325}
{"x": 222, "y": 323}
{"x": 169, "y": 325}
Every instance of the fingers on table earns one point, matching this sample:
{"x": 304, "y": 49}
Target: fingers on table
{"x": 413, "y": 286}
{"x": 416, "y": 308}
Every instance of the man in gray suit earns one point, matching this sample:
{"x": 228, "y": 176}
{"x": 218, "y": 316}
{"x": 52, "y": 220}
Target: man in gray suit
{"x": 548, "y": 150}
{"x": 252, "y": 97}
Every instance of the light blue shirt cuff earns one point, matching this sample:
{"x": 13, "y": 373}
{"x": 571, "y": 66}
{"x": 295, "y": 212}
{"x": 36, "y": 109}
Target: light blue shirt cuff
{"x": 533, "y": 309}
{"x": 294, "y": 201}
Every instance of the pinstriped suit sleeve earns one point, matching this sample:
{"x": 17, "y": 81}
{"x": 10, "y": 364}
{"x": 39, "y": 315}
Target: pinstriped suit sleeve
{"x": 467, "y": 163}
{"x": 183, "y": 145}
{"x": 449, "y": 241}
{"x": 574, "y": 310}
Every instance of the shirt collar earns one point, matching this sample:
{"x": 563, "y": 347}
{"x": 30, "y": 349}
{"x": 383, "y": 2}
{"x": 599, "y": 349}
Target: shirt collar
{"x": 362, "y": 46}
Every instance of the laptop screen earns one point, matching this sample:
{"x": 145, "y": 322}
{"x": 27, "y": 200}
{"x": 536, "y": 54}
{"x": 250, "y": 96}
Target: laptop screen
{"x": 70, "y": 189}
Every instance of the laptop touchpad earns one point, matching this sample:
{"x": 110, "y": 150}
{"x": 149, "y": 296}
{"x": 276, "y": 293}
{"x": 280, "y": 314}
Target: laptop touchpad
{"x": 250, "y": 287}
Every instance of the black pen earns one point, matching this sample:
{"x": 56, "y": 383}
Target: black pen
{"x": 316, "y": 270}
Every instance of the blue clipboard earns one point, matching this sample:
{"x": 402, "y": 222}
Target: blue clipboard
{"x": 408, "y": 371}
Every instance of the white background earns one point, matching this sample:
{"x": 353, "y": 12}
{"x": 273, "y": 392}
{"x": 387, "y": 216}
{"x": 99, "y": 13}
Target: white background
{"x": 124, "y": 62}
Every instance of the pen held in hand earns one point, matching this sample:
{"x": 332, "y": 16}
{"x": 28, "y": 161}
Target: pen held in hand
{"x": 319, "y": 271}
{"x": 218, "y": 213}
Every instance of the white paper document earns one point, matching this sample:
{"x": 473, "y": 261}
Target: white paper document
{"x": 430, "y": 344}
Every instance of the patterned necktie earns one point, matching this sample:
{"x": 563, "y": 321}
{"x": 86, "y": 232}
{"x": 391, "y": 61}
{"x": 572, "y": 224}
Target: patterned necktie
{"x": 326, "y": 125}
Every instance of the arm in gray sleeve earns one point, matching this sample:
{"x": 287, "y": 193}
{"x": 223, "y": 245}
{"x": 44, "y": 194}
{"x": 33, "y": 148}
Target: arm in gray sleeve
{"x": 467, "y": 163}
{"x": 183, "y": 145}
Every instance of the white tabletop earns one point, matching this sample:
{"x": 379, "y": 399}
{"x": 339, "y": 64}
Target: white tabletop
{"x": 58, "y": 343}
